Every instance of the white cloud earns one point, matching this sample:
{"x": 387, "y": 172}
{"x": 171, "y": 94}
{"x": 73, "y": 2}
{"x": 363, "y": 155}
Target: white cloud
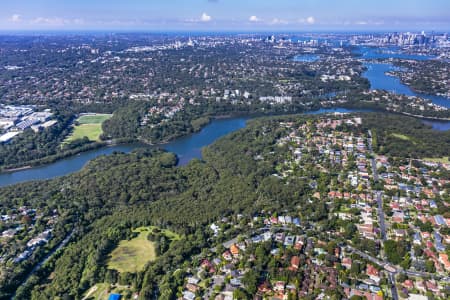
{"x": 15, "y": 18}
{"x": 79, "y": 21}
{"x": 205, "y": 17}
{"x": 57, "y": 21}
{"x": 277, "y": 21}
{"x": 370, "y": 22}
{"x": 254, "y": 19}
{"x": 50, "y": 21}
{"x": 310, "y": 20}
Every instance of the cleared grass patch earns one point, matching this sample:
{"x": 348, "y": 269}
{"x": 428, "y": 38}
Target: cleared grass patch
{"x": 89, "y": 126}
{"x": 131, "y": 256}
{"x": 91, "y": 131}
{"x": 97, "y": 292}
{"x": 401, "y": 136}
{"x": 93, "y": 119}
{"x": 173, "y": 236}
{"x": 101, "y": 291}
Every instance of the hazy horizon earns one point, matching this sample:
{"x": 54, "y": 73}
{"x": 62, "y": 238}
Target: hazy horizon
{"x": 225, "y": 15}
{"x": 217, "y": 32}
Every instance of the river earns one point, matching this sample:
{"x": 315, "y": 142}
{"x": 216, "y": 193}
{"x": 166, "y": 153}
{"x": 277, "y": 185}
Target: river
{"x": 376, "y": 72}
{"x": 186, "y": 148}
{"x": 189, "y": 147}
{"x": 389, "y": 52}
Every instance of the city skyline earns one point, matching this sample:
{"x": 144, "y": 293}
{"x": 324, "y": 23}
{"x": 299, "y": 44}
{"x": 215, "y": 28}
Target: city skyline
{"x": 226, "y": 15}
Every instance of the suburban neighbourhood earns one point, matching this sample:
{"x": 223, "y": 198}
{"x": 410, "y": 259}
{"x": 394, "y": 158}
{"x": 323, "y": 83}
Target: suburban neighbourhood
{"x": 365, "y": 256}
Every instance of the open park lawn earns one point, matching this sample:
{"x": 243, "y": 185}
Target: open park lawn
{"x": 89, "y": 126}
{"x": 93, "y": 119}
{"x": 131, "y": 256}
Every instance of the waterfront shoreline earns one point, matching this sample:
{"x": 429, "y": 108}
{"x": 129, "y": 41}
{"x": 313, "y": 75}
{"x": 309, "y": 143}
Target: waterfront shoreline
{"x": 16, "y": 169}
{"x": 128, "y": 145}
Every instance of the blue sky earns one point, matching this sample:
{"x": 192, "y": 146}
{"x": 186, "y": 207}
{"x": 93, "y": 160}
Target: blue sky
{"x": 236, "y": 15}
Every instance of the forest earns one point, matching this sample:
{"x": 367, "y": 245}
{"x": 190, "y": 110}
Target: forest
{"x": 404, "y": 136}
{"x": 114, "y": 194}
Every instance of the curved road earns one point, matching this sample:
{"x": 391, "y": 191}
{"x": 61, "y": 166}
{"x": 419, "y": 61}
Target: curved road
{"x": 46, "y": 259}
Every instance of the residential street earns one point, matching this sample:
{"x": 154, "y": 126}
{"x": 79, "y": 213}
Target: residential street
{"x": 391, "y": 276}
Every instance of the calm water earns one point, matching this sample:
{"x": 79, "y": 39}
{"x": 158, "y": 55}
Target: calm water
{"x": 337, "y": 110}
{"x": 189, "y": 147}
{"x": 186, "y": 148}
{"x": 438, "y": 125}
{"x": 389, "y": 52}
{"x": 61, "y": 167}
{"x": 380, "y": 81}
{"x": 376, "y": 74}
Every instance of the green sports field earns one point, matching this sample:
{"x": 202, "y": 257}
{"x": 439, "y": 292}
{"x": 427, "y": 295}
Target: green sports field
{"x": 89, "y": 126}
{"x": 93, "y": 119}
